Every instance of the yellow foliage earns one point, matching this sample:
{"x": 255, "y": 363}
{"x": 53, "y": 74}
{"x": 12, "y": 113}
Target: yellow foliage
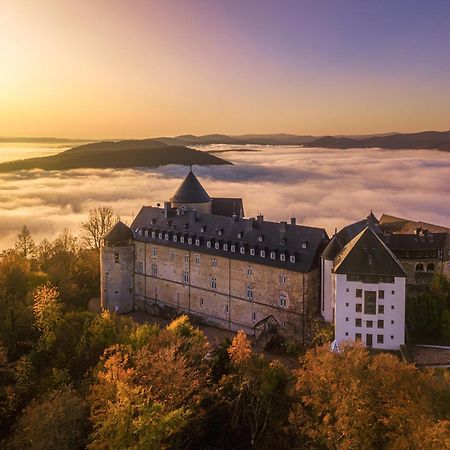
{"x": 240, "y": 349}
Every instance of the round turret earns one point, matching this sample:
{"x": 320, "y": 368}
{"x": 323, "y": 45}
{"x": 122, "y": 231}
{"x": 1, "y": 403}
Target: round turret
{"x": 116, "y": 269}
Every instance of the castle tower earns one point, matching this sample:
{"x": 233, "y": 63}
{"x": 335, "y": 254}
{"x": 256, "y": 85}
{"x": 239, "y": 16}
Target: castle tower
{"x": 192, "y": 195}
{"x": 116, "y": 269}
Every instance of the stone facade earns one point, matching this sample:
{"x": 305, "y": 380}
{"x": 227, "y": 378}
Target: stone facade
{"x": 116, "y": 278}
{"x": 225, "y": 292}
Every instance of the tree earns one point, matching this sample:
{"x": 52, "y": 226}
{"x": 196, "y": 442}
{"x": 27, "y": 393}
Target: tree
{"x": 98, "y": 222}
{"x": 354, "y": 400}
{"x": 58, "y": 422}
{"x": 240, "y": 349}
{"x": 25, "y": 245}
{"x": 47, "y": 310}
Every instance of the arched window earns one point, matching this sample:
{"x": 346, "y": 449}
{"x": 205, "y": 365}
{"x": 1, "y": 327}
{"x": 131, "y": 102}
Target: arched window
{"x": 419, "y": 267}
{"x": 430, "y": 267}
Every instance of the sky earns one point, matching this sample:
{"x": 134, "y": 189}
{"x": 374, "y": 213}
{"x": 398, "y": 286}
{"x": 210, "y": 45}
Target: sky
{"x": 114, "y": 68}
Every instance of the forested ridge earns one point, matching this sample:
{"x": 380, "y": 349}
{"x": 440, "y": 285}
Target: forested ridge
{"x": 74, "y": 379}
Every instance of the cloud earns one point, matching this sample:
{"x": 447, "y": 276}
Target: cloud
{"x": 322, "y": 187}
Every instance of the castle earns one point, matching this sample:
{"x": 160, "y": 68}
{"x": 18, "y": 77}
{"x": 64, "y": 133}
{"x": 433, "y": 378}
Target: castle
{"x": 199, "y": 255}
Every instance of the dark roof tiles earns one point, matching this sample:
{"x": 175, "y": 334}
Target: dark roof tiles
{"x": 190, "y": 191}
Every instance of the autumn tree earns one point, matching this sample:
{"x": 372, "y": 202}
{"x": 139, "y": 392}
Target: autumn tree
{"x": 98, "y": 222}
{"x": 145, "y": 394}
{"x": 255, "y": 395}
{"x": 47, "y": 310}
{"x": 354, "y": 400}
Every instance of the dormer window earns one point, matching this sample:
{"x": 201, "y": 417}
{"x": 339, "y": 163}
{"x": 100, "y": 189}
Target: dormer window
{"x": 225, "y": 247}
{"x": 182, "y": 239}
{"x": 282, "y": 257}
{"x": 190, "y": 241}
{"x": 197, "y": 242}
{"x": 217, "y": 246}
{"x": 283, "y": 241}
{"x": 208, "y": 244}
{"x": 261, "y": 238}
{"x": 219, "y": 232}
{"x": 242, "y": 250}
{"x": 262, "y": 253}
{"x": 175, "y": 238}
{"x": 305, "y": 244}
{"x": 160, "y": 235}
{"x": 140, "y": 232}
{"x": 252, "y": 251}
{"x": 166, "y": 236}
{"x": 240, "y": 235}
{"x": 272, "y": 255}
{"x": 233, "y": 248}
{"x": 146, "y": 233}
{"x": 292, "y": 259}
{"x": 203, "y": 229}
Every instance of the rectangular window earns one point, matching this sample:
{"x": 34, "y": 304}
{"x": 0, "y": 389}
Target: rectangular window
{"x": 249, "y": 292}
{"x": 357, "y": 336}
{"x": 381, "y": 295}
{"x": 282, "y": 278}
{"x": 358, "y": 307}
{"x": 154, "y": 251}
{"x": 358, "y": 322}
{"x": 262, "y": 253}
{"x": 185, "y": 277}
{"x": 370, "y": 302}
{"x": 140, "y": 267}
{"x": 197, "y": 259}
{"x": 214, "y": 262}
{"x": 368, "y": 340}
{"x": 381, "y": 324}
{"x": 249, "y": 271}
{"x": 282, "y": 257}
{"x": 253, "y": 317}
{"x": 392, "y": 292}
{"x": 380, "y": 339}
{"x": 225, "y": 247}
{"x": 154, "y": 270}
{"x": 213, "y": 283}
{"x": 201, "y": 303}
{"x": 358, "y": 293}
{"x": 116, "y": 258}
{"x": 227, "y": 309}
{"x": 242, "y": 250}
{"x": 369, "y": 324}
{"x": 380, "y": 309}
{"x": 186, "y": 258}
{"x": 272, "y": 255}
{"x": 283, "y": 300}
{"x": 172, "y": 255}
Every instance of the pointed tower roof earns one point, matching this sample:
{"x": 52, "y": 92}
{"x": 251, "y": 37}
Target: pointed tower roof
{"x": 190, "y": 191}
{"x": 372, "y": 218}
{"x": 119, "y": 233}
{"x": 367, "y": 254}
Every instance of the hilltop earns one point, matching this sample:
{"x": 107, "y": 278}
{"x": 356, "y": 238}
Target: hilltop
{"x": 120, "y": 154}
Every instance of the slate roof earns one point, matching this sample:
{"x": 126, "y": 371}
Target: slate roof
{"x": 393, "y": 224}
{"x": 416, "y": 242}
{"x": 118, "y": 234}
{"x": 344, "y": 236}
{"x": 367, "y": 254}
{"x": 190, "y": 191}
{"x": 227, "y": 206}
{"x": 302, "y": 243}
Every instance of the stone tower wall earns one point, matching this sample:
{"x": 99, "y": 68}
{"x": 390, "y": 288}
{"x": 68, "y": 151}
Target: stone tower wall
{"x": 116, "y": 278}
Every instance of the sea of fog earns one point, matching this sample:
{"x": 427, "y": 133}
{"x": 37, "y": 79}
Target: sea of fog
{"x": 321, "y": 187}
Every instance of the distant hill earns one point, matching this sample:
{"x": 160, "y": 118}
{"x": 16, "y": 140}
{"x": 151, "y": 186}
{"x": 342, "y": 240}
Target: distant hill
{"x": 439, "y": 140}
{"x": 256, "y": 139}
{"x": 121, "y": 154}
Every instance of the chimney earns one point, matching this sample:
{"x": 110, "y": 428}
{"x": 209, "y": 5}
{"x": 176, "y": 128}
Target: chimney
{"x": 293, "y": 221}
{"x": 260, "y": 217}
{"x": 166, "y": 209}
{"x": 251, "y": 223}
